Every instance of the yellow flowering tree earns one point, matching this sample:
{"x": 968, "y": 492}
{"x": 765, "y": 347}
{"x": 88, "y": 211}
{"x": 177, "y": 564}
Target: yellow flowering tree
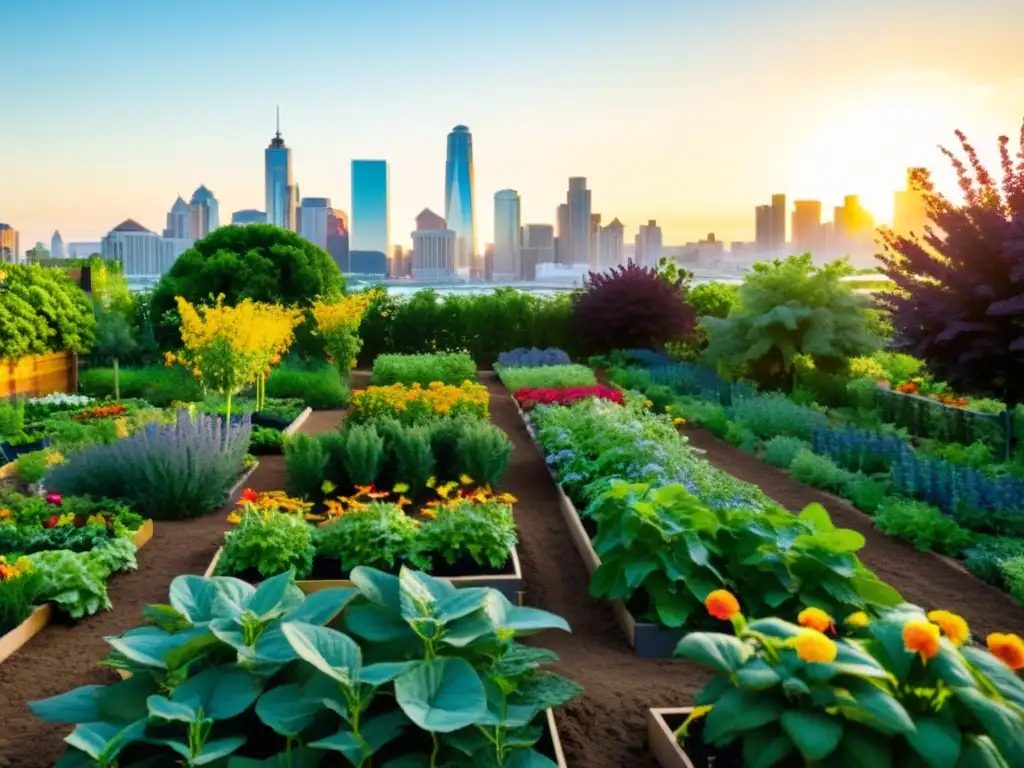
{"x": 227, "y": 347}
{"x": 337, "y": 323}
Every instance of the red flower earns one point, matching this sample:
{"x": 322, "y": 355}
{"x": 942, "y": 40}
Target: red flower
{"x": 51, "y": 521}
{"x": 54, "y": 498}
{"x": 249, "y": 495}
{"x": 528, "y": 397}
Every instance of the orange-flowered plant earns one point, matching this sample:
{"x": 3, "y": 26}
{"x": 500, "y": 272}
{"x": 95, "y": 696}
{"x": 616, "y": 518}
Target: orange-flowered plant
{"x": 416, "y": 404}
{"x": 887, "y": 680}
{"x": 100, "y": 412}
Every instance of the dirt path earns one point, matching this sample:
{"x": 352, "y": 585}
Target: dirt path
{"x": 922, "y": 578}
{"x": 64, "y": 657}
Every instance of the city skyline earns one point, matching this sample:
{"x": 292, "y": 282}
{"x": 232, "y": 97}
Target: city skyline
{"x": 856, "y": 111}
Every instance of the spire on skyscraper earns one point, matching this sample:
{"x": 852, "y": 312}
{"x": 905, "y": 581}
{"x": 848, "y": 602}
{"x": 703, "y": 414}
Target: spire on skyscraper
{"x": 277, "y": 141}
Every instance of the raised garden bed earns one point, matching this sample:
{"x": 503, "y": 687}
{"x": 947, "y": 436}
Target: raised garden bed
{"x": 661, "y": 727}
{"x": 509, "y": 583}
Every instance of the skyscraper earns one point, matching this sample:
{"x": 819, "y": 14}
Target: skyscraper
{"x": 204, "y": 213}
{"x": 578, "y": 200}
{"x": 370, "y": 239}
{"x": 562, "y": 235}
{"x": 313, "y": 220}
{"x": 9, "y": 244}
{"x": 806, "y": 225}
{"x": 459, "y": 210}
{"x": 647, "y": 246}
{"x": 507, "y": 243}
{"x": 57, "y": 245}
{"x": 595, "y": 238}
{"x": 763, "y": 228}
{"x": 337, "y": 236}
{"x": 280, "y": 192}
{"x": 433, "y": 248}
{"x": 179, "y": 220}
{"x": 610, "y": 245}
{"x": 910, "y": 213}
{"x": 778, "y": 241}
{"x": 248, "y": 216}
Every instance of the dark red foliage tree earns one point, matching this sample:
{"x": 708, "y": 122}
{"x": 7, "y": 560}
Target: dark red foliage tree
{"x": 632, "y": 307}
{"x": 958, "y": 302}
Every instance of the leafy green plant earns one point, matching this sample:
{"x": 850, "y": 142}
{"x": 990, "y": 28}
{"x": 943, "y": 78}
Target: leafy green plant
{"x": 483, "y": 452}
{"x": 819, "y": 472}
{"x": 922, "y": 525}
{"x": 379, "y": 536}
{"x": 414, "y": 461}
{"x": 484, "y": 533}
{"x": 76, "y": 582}
{"x": 1013, "y": 576}
{"x": 985, "y": 558}
{"x": 42, "y": 310}
{"x": 32, "y": 467}
{"x": 780, "y": 450}
{"x": 773, "y": 414}
{"x": 268, "y": 542}
{"x": 266, "y": 441}
{"x": 318, "y": 386}
{"x": 156, "y": 384}
{"x": 865, "y": 493}
{"x": 448, "y": 368}
{"x": 305, "y": 462}
{"x": 548, "y": 376}
{"x": 19, "y": 588}
{"x": 364, "y": 454}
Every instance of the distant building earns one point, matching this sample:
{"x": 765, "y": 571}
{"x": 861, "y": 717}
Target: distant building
{"x": 910, "y": 212}
{"x": 806, "y": 226}
{"x": 56, "y": 245}
{"x": 248, "y": 216}
{"x": 595, "y": 234}
{"x": 578, "y": 201}
{"x": 9, "y": 252}
{"x": 778, "y": 241}
{"x": 433, "y": 248}
{"x": 705, "y": 254}
{"x": 400, "y": 262}
{"x": 459, "y": 209}
{"x": 83, "y": 250}
{"x": 610, "y": 245}
{"x": 179, "y": 221}
{"x": 507, "y": 232}
{"x": 36, "y": 254}
{"x": 204, "y": 213}
{"x": 278, "y": 184}
{"x": 763, "y": 228}
{"x": 648, "y": 244}
{"x": 853, "y": 225}
{"x": 337, "y": 238}
{"x": 370, "y": 212}
{"x": 562, "y": 238}
{"x": 143, "y": 254}
{"x": 770, "y": 226}
{"x": 313, "y": 219}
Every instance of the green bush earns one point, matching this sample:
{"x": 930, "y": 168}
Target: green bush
{"x": 484, "y": 533}
{"x": 305, "y": 461}
{"x": 364, "y": 454}
{"x": 266, "y": 441}
{"x": 268, "y": 542}
{"x": 985, "y": 559}
{"x": 782, "y": 449}
{"x": 414, "y": 461}
{"x": 484, "y": 452}
{"x": 865, "y": 493}
{"x": 379, "y": 536}
{"x": 157, "y": 385}
{"x": 710, "y": 416}
{"x": 774, "y": 414}
{"x": 819, "y": 472}
{"x": 448, "y": 368}
{"x": 548, "y": 376}
{"x": 42, "y": 310}
{"x": 319, "y": 387}
{"x": 922, "y": 525}
{"x": 1013, "y": 576}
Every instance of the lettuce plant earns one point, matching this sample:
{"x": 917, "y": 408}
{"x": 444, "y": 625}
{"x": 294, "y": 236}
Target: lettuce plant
{"x": 405, "y": 666}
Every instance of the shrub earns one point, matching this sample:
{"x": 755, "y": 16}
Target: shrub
{"x": 483, "y": 452}
{"x": 416, "y": 404}
{"x": 32, "y": 467}
{"x": 414, "y": 461}
{"x": 484, "y": 533}
{"x": 631, "y": 307}
{"x": 710, "y": 416}
{"x": 381, "y": 536}
{"x": 266, "y": 441}
{"x": 985, "y": 559}
{"x": 819, "y": 472}
{"x": 319, "y": 387}
{"x": 163, "y": 471}
{"x": 865, "y": 494}
{"x": 782, "y": 449}
{"x": 155, "y": 384}
{"x": 774, "y": 414}
{"x": 305, "y": 462}
{"x": 444, "y": 444}
{"x": 268, "y": 542}
{"x": 533, "y": 358}
{"x": 922, "y": 525}
{"x": 42, "y": 310}
{"x": 447, "y": 368}
{"x": 548, "y": 376}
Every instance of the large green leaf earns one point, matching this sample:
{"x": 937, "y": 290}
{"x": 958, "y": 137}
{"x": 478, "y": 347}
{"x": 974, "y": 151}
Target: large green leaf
{"x": 322, "y": 606}
{"x": 1002, "y": 676}
{"x": 232, "y": 596}
{"x": 442, "y": 695}
{"x": 286, "y": 710}
{"x": 193, "y": 597}
{"x": 276, "y": 596}
{"x": 877, "y": 708}
{"x": 1002, "y": 723}
{"x": 332, "y": 652}
{"x": 384, "y": 672}
{"x": 104, "y": 741}
{"x": 148, "y": 649}
{"x": 80, "y": 705}
{"x": 163, "y": 708}
{"x": 217, "y": 749}
{"x": 738, "y": 712}
{"x": 815, "y": 734}
{"x": 980, "y": 752}
{"x": 861, "y": 748}
{"x": 378, "y": 624}
{"x": 222, "y": 692}
{"x": 937, "y": 740}
{"x": 757, "y": 675}
{"x": 300, "y": 757}
{"x": 766, "y": 747}
{"x": 462, "y": 603}
{"x": 722, "y": 653}
{"x": 529, "y": 758}
{"x": 378, "y": 587}
{"x": 125, "y": 700}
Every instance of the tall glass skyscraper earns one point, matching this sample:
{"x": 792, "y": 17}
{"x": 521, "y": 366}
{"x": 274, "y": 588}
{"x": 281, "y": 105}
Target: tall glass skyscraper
{"x": 280, "y": 194}
{"x": 459, "y": 210}
{"x": 369, "y": 239}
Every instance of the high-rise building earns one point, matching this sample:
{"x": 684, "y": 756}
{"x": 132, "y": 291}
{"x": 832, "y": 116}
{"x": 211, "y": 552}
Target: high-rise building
{"x": 459, "y": 196}
{"x": 562, "y": 238}
{"x": 507, "y": 243}
{"x": 369, "y": 243}
{"x": 910, "y": 212}
{"x": 57, "y": 245}
{"x": 538, "y": 236}
{"x": 204, "y": 213}
{"x": 853, "y": 222}
{"x": 36, "y": 253}
{"x": 313, "y": 220}
{"x": 610, "y": 245}
{"x": 806, "y": 226}
{"x": 578, "y": 200}
{"x": 433, "y": 248}
{"x": 337, "y": 238}
{"x": 248, "y": 216}
{"x": 280, "y": 191}
{"x": 179, "y": 220}
{"x": 9, "y": 252}
{"x": 648, "y": 245}
{"x": 595, "y": 236}
{"x": 143, "y": 254}
{"x": 763, "y": 227}
{"x": 778, "y": 223}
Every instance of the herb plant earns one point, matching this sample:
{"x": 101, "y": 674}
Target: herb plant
{"x": 304, "y": 463}
{"x": 269, "y": 542}
{"x": 446, "y": 368}
{"x": 484, "y": 533}
{"x": 484, "y": 452}
{"x": 379, "y": 536}
{"x": 548, "y": 376}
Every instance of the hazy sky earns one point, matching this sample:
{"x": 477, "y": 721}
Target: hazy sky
{"x": 687, "y": 112}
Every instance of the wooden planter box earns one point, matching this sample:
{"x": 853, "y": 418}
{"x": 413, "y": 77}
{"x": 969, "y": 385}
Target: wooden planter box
{"x": 649, "y": 640}
{"x": 292, "y": 428}
{"x": 38, "y": 375}
{"x": 41, "y": 616}
{"x": 510, "y": 585}
{"x": 662, "y": 739}
{"x": 556, "y": 744}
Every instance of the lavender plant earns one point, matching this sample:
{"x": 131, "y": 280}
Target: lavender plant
{"x": 533, "y": 358}
{"x": 164, "y": 471}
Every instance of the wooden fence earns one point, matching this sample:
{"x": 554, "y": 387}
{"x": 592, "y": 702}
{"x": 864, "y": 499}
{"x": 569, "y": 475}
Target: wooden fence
{"x": 38, "y": 375}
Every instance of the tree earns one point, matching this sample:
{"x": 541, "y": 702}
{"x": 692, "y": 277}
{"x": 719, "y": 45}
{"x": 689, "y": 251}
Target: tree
{"x": 338, "y": 324}
{"x": 260, "y": 262}
{"x": 790, "y": 307}
{"x": 42, "y": 310}
{"x": 114, "y": 340}
{"x": 631, "y": 307}
{"x": 958, "y": 298}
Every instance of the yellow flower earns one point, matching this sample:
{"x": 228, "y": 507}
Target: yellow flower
{"x": 54, "y": 458}
{"x": 403, "y": 502}
{"x": 6, "y": 514}
{"x": 921, "y": 637}
{"x": 234, "y": 518}
{"x": 648, "y": 403}
{"x": 815, "y": 618}
{"x": 465, "y": 479}
{"x": 96, "y": 520}
{"x": 858, "y": 619}
{"x": 327, "y": 487}
{"x": 431, "y": 481}
{"x": 812, "y": 645}
{"x": 1007, "y": 648}
{"x": 953, "y": 626}
{"x": 400, "y": 488}
{"x": 722, "y": 604}
{"x": 445, "y": 490}
{"x": 678, "y": 420}
{"x": 508, "y": 498}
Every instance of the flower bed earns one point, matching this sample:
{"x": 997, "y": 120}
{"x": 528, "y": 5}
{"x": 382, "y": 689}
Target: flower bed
{"x": 451, "y": 368}
{"x": 378, "y": 684}
{"x": 416, "y": 404}
{"x": 529, "y": 397}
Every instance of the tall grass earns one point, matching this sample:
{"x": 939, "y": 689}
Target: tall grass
{"x": 156, "y": 384}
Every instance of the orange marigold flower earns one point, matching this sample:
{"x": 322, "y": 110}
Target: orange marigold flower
{"x": 815, "y": 618}
{"x": 921, "y": 637}
{"x": 722, "y": 604}
{"x": 953, "y": 626}
{"x": 248, "y": 495}
{"x": 234, "y": 518}
{"x": 1007, "y": 648}
{"x": 812, "y": 645}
